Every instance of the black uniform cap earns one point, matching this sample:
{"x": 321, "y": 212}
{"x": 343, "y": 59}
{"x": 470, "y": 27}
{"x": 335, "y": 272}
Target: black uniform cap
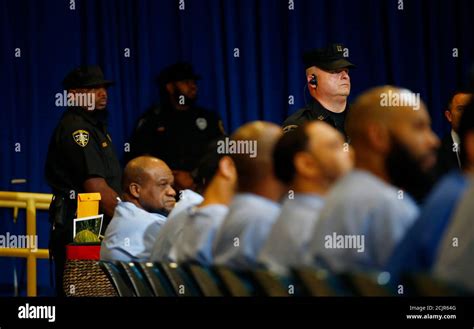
{"x": 86, "y": 77}
{"x": 329, "y": 58}
{"x": 177, "y": 72}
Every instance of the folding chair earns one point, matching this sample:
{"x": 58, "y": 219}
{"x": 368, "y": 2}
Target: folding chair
{"x": 139, "y": 284}
{"x": 238, "y": 283}
{"x": 181, "y": 282}
{"x": 273, "y": 285}
{"x": 120, "y": 283}
{"x": 158, "y": 282}
{"x": 371, "y": 284}
{"x": 319, "y": 282}
{"x": 206, "y": 280}
{"x": 424, "y": 284}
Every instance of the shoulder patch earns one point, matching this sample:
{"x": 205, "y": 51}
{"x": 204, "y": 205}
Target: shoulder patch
{"x": 289, "y": 128}
{"x": 201, "y": 123}
{"x": 81, "y": 137}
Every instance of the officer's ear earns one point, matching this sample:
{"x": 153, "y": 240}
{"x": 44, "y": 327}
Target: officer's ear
{"x": 134, "y": 190}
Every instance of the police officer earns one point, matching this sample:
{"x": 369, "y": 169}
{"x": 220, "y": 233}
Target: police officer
{"x": 177, "y": 130}
{"x": 449, "y": 151}
{"x": 329, "y": 84}
{"x": 81, "y": 159}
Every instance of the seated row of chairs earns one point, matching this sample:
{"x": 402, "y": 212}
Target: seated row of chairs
{"x": 172, "y": 280}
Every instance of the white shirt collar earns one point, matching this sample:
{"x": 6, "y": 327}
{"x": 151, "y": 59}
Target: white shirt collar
{"x": 455, "y": 137}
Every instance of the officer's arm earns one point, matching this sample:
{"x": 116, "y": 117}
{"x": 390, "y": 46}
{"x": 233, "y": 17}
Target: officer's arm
{"x": 108, "y": 195}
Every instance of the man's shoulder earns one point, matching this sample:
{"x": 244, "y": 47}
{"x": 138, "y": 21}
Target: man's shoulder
{"x": 152, "y": 113}
{"x": 296, "y": 119}
{"x": 74, "y": 123}
{"x": 298, "y": 114}
{"x": 72, "y": 117}
{"x": 363, "y": 189}
{"x": 252, "y": 208}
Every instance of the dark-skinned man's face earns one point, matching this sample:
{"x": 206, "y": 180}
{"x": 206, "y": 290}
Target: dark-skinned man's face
{"x": 458, "y": 104}
{"x": 99, "y": 93}
{"x": 157, "y": 193}
{"x": 184, "y": 92}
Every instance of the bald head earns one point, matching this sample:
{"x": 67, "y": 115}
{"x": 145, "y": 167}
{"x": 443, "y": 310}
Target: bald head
{"x": 390, "y": 130}
{"x": 383, "y": 106}
{"x": 252, "y": 170}
{"x": 311, "y": 157}
{"x": 147, "y": 182}
{"x": 139, "y": 169}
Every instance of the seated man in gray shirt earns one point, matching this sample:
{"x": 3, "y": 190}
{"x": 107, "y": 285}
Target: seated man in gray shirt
{"x": 369, "y": 210}
{"x": 455, "y": 252}
{"x": 255, "y": 207}
{"x": 454, "y": 262}
{"x": 309, "y": 159}
{"x": 147, "y": 199}
{"x": 169, "y": 234}
{"x": 217, "y": 175}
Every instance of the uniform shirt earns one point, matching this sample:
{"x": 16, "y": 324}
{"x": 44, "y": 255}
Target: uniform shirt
{"x": 244, "y": 231}
{"x": 455, "y": 256}
{"x": 360, "y": 224}
{"x": 315, "y": 111}
{"x": 81, "y": 148}
{"x": 131, "y": 234}
{"x": 417, "y": 250}
{"x": 291, "y": 233}
{"x": 199, "y": 231}
{"x": 169, "y": 235}
{"x": 177, "y": 137}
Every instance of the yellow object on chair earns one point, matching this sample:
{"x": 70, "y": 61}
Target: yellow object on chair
{"x": 88, "y": 204}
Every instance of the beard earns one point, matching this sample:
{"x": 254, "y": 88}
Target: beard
{"x": 405, "y": 171}
{"x": 154, "y": 210}
{"x": 178, "y": 97}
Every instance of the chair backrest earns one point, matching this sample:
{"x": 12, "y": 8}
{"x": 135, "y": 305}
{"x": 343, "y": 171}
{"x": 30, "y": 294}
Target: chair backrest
{"x": 207, "y": 281}
{"x": 238, "y": 283}
{"x": 121, "y": 284}
{"x": 181, "y": 282}
{"x": 424, "y": 284}
{"x": 158, "y": 282}
{"x": 272, "y": 284}
{"x": 371, "y": 284}
{"x": 319, "y": 282}
{"x": 139, "y": 284}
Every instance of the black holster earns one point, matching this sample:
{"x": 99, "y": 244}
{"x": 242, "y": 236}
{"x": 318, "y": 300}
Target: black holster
{"x": 61, "y": 216}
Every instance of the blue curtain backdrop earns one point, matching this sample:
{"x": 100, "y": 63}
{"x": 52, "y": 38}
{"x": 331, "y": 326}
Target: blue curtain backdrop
{"x": 413, "y": 47}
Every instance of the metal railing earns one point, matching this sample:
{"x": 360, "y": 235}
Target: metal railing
{"x": 31, "y": 202}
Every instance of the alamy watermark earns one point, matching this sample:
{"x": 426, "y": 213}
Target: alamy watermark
{"x": 345, "y": 241}
{"x": 28, "y": 311}
{"x": 403, "y": 98}
{"x": 230, "y": 146}
{"x": 19, "y": 241}
{"x": 86, "y": 100}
